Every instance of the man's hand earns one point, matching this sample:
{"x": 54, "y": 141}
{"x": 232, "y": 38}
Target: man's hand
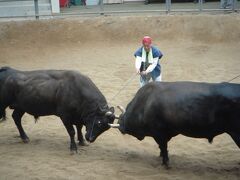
{"x": 138, "y": 71}
{"x": 143, "y": 73}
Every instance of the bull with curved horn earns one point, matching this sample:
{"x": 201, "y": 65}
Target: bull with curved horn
{"x": 194, "y": 109}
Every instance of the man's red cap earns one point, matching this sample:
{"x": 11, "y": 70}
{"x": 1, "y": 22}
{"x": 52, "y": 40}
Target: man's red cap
{"x": 147, "y": 40}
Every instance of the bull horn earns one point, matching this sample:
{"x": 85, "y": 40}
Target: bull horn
{"x": 108, "y": 113}
{"x": 121, "y": 109}
{"x": 114, "y": 125}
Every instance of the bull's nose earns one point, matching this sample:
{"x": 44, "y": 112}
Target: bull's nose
{"x": 89, "y": 138}
{"x": 122, "y": 129}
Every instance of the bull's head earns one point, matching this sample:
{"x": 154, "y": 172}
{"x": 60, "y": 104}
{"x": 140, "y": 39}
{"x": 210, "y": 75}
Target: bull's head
{"x": 99, "y": 123}
{"x": 120, "y": 123}
{"x": 125, "y": 127}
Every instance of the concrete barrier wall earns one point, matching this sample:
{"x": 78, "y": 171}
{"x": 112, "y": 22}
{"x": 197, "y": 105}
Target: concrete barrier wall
{"x": 13, "y": 8}
{"x": 203, "y": 28}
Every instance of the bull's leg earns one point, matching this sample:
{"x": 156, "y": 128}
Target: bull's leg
{"x": 81, "y": 140}
{"x": 162, "y": 142}
{"x": 164, "y": 153}
{"x": 236, "y": 138}
{"x": 17, "y": 115}
{"x": 71, "y": 132}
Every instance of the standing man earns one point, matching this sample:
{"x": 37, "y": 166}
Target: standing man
{"x": 147, "y": 62}
{"x": 226, "y": 4}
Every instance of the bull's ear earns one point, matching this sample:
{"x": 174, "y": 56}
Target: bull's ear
{"x": 112, "y": 109}
{"x": 110, "y": 116}
{"x": 111, "y": 119}
{"x": 102, "y": 110}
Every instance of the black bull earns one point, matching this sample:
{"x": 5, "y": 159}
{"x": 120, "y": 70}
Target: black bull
{"x": 166, "y": 109}
{"x": 67, "y": 94}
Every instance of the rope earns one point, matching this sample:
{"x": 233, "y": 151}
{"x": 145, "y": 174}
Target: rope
{"x": 130, "y": 80}
{"x": 123, "y": 87}
{"x": 234, "y": 78}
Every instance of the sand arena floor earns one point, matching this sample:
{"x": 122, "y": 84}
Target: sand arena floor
{"x": 195, "y": 47}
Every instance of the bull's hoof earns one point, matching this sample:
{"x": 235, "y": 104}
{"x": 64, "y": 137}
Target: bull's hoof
{"x": 72, "y": 152}
{"x": 26, "y": 140}
{"x": 166, "y": 165}
{"x": 73, "y": 148}
{"x": 83, "y": 143}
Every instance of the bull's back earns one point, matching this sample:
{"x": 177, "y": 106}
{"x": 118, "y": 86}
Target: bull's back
{"x": 46, "y": 92}
{"x": 192, "y": 109}
{"x": 36, "y": 92}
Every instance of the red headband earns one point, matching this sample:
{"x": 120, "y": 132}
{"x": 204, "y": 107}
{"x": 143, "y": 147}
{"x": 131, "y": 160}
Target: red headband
{"x": 147, "y": 40}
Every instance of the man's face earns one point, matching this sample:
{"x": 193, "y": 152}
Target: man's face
{"x": 147, "y": 46}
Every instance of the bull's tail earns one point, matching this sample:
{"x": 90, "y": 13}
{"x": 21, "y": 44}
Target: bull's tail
{"x": 36, "y": 118}
{"x": 2, "y": 109}
{"x": 4, "y": 73}
{"x": 2, "y": 115}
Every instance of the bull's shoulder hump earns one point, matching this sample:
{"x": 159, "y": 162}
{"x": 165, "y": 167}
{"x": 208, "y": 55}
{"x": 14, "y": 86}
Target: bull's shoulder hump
{"x": 179, "y": 87}
{"x": 50, "y": 74}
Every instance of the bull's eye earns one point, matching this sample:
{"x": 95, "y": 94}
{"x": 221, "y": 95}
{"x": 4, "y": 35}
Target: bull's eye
{"x": 99, "y": 123}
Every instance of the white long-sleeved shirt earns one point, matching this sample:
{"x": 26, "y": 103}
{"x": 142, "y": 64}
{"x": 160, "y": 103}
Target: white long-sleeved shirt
{"x": 138, "y": 62}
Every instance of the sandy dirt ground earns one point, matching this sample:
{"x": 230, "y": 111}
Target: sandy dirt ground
{"x": 195, "y": 47}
